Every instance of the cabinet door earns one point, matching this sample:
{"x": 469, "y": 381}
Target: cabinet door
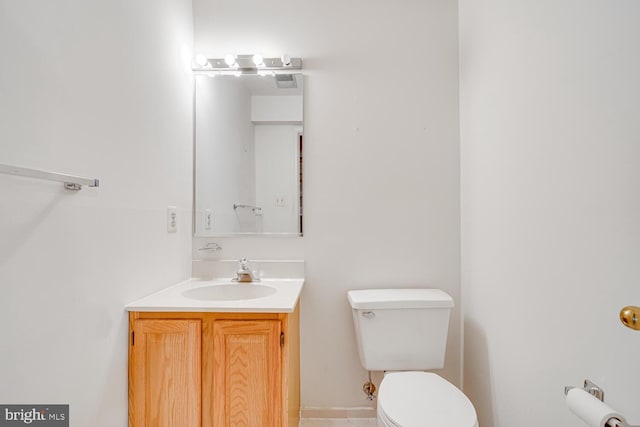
{"x": 247, "y": 373}
{"x": 165, "y": 373}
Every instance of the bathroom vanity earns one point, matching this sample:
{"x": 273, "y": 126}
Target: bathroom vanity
{"x": 195, "y": 361}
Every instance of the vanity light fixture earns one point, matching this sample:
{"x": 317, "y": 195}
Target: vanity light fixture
{"x": 202, "y": 61}
{"x": 246, "y": 64}
{"x": 230, "y": 60}
{"x": 258, "y": 60}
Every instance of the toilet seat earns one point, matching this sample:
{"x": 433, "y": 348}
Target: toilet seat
{"x": 423, "y": 399}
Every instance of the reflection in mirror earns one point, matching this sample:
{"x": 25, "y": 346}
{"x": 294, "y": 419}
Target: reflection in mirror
{"x": 248, "y": 155}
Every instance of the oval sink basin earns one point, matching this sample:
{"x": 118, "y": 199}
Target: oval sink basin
{"x": 231, "y": 292}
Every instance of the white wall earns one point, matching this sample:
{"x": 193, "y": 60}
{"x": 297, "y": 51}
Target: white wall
{"x": 381, "y": 162}
{"x": 550, "y": 204}
{"x": 277, "y": 109}
{"x": 277, "y": 177}
{"x": 98, "y": 89}
{"x": 225, "y": 160}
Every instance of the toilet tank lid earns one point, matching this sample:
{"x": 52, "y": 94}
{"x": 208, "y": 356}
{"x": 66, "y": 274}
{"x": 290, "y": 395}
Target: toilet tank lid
{"x": 399, "y": 298}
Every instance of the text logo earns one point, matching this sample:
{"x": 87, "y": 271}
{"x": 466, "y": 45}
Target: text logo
{"x": 34, "y": 415}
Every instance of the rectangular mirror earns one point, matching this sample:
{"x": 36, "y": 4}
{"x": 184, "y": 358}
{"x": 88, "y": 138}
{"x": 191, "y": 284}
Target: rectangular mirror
{"x": 248, "y": 155}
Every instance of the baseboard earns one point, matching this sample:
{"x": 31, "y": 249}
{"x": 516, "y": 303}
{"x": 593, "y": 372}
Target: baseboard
{"x": 354, "y": 412}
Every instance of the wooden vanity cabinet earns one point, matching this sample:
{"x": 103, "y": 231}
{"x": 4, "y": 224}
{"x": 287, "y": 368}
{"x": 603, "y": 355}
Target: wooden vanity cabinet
{"x": 214, "y": 369}
{"x": 165, "y": 373}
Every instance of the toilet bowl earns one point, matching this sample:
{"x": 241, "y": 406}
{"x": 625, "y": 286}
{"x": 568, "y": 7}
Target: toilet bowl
{"x": 422, "y": 399}
{"x": 406, "y": 330}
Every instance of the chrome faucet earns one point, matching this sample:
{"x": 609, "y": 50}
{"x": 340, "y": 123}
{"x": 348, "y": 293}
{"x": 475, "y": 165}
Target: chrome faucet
{"x": 244, "y": 273}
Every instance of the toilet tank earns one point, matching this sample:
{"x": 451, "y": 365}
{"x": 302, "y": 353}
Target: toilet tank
{"x": 401, "y": 329}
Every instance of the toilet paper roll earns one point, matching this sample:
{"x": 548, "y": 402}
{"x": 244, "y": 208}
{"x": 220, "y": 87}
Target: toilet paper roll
{"x": 590, "y": 409}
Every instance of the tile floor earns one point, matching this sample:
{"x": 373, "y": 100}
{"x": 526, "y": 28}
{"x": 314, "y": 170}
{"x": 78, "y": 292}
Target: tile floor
{"x": 338, "y": 422}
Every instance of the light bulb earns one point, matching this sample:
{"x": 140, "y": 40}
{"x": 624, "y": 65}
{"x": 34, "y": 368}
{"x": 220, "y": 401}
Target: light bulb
{"x": 258, "y": 60}
{"x": 202, "y": 60}
{"x": 286, "y": 60}
{"x": 230, "y": 60}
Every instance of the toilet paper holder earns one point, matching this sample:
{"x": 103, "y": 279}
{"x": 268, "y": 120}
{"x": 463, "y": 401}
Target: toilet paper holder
{"x": 598, "y": 393}
{"x": 590, "y": 388}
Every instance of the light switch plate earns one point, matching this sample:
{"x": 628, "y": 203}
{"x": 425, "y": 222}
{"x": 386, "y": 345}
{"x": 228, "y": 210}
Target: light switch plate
{"x": 281, "y": 201}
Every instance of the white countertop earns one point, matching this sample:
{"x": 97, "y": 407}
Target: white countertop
{"x": 171, "y": 299}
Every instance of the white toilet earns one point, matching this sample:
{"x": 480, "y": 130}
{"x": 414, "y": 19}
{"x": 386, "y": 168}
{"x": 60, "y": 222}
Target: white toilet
{"x": 404, "y": 332}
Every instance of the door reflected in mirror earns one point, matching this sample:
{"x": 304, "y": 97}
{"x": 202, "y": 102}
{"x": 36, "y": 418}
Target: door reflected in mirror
{"x": 248, "y": 155}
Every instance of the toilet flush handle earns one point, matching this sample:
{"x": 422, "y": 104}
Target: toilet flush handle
{"x": 368, "y": 314}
